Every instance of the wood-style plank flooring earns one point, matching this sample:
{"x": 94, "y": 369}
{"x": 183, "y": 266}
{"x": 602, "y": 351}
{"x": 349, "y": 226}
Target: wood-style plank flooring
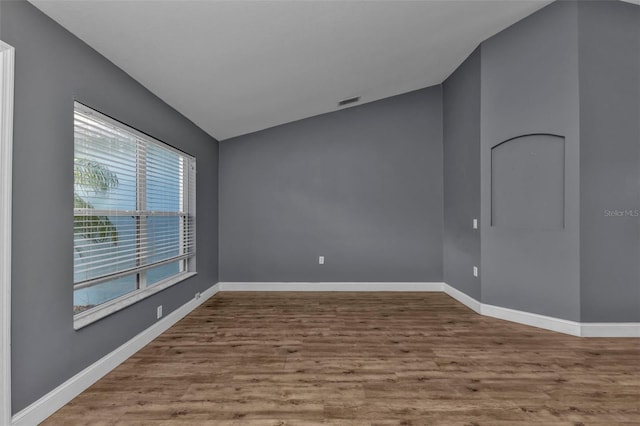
{"x": 362, "y": 359}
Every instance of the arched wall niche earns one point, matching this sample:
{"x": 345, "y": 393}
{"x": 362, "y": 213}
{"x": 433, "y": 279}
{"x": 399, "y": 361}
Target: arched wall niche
{"x": 528, "y": 182}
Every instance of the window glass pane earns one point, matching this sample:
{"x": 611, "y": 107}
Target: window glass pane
{"x": 103, "y": 245}
{"x": 163, "y": 238}
{"x": 87, "y": 298}
{"x": 159, "y": 273}
{"x": 134, "y": 206}
{"x": 164, "y": 179}
{"x": 104, "y": 166}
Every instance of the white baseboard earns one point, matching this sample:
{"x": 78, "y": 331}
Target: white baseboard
{"x": 330, "y": 286}
{"x": 581, "y": 329}
{"x": 57, "y": 398}
{"x": 463, "y": 298}
{"x": 610, "y": 329}
{"x": 535, "y": 320}
{"x": 521, "y": 317}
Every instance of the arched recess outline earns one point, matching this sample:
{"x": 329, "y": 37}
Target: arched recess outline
{"x": 528, "y": 182}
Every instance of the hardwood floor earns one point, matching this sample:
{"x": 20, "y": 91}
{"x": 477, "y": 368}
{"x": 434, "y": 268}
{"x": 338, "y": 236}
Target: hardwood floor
{"x": 362, "y": 359}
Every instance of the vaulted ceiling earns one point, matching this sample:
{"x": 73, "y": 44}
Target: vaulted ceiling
{"x": 234, "y": 67}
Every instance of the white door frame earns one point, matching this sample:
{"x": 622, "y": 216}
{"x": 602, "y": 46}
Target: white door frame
{"x": 6, "y": 156}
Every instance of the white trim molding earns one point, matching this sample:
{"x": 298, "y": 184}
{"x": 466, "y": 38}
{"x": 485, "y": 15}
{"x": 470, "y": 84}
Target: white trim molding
{"x": 574, "y": 328}
{"x": 535, "y": 320}
{"x": 7, "y": 55}
{"x": 463, "y": 298}
{"x": 57, "y": 398}
{"x": 85, "y": 318}
{"x": 521, "y": 317}
{"x": 330, "y": 286}
{"x": 610, "y": 329}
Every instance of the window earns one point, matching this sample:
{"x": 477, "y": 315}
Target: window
{"x": 134, "y": 216}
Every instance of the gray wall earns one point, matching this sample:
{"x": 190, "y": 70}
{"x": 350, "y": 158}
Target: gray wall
{"x": 530, "y": 86}
{"x": 361, "y": 186}
{"x": 461, "y": 106}
{"x": 53, "y": 67}
{"x": 610, "y": 160}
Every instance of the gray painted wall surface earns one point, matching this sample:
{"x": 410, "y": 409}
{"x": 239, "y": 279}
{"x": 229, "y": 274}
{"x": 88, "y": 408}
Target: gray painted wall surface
{"x": 461, "y": 107}
{"x": 53, "y": 67}
{"x": 610, "y": 160}
{"x": 530, "y": 85}
{"x": 527, "y": 183}
{"x": 360, "y": 186}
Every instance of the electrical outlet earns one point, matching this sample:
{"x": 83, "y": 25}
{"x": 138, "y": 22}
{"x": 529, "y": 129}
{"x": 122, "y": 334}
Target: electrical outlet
{"x": 321, "y": 260}
{"x": 475, "y": 271}
{"x": 159, "y": 312}
{"x": 475, "y": 223}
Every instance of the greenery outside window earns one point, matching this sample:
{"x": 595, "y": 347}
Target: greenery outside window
{"x": 134, "y": 215}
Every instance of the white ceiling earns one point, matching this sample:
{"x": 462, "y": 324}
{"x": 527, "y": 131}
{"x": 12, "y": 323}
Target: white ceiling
{"x": 234, "y": 67}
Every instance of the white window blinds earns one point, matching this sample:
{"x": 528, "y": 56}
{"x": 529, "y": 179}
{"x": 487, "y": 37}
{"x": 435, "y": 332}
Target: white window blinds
{"x": 134, "y": 210}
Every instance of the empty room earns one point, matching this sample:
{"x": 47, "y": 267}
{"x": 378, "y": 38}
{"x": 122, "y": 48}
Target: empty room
{"x": 319, "y": 212}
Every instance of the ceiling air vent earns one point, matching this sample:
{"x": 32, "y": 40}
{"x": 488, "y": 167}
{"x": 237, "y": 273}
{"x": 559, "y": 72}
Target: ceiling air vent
{"x": 348, "y": 101}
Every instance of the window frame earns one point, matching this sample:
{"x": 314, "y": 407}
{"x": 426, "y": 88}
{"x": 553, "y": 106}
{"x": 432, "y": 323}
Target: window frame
{"x": 187, "y": 268}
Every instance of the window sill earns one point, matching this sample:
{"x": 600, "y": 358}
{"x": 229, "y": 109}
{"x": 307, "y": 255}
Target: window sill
{"x": 92, "y": 315}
